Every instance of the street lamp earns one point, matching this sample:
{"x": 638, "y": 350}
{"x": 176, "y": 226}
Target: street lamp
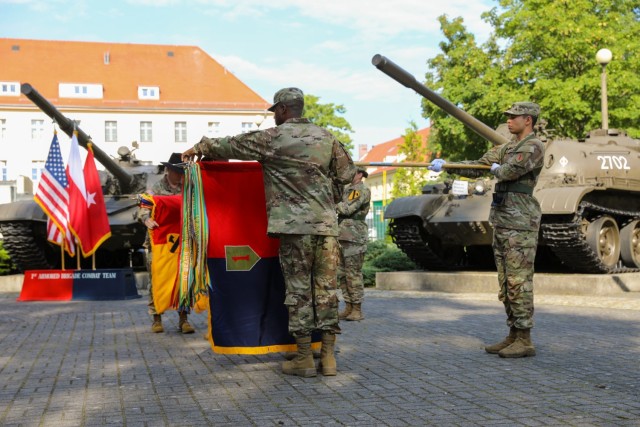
{"x": 604, "y": 57}
{"x": 258, "y": 120}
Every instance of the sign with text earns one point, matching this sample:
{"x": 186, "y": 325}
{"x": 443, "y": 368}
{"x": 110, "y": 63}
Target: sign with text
{"x": 460, "y": 188}
{"x": 66, "y": 285}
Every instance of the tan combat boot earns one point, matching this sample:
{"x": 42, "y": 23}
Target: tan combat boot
{"x": 290, "y": 355}
{"x": 495, "y": 348}
{"x": 302, "y": 365}
{"x": 184, "y": 325}
{"x": 521, "y": 347}
{"x": 328, "y": 363}
{"x": 356, "y": 312}
{"x": 156, "y": 326}
{"x": 347, "y": 311}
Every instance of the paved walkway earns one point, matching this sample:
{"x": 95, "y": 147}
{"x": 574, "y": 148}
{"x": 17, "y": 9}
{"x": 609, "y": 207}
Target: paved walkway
{"x": 417, "y": 359}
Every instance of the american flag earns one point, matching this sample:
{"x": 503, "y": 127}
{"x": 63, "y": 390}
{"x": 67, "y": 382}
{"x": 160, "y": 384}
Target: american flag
{"x": 53, "y": 197}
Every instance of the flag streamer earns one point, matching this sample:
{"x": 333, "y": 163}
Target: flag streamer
{"x": 193, "y": 277}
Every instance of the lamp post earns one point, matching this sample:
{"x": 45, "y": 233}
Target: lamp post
{"x": 604, "y": 57}
{"x": 258, "y": 120}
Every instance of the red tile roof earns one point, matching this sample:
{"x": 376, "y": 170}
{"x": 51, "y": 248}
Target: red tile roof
{"x": 380, "y": 152}
{"x": 187, "y": 76}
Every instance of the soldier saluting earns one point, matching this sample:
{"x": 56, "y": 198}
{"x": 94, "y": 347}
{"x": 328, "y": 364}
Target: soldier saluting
{"x": 515, "y": 216}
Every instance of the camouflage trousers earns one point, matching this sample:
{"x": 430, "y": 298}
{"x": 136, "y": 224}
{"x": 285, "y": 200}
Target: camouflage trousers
{"x": 350, "y": 278}
{"x": 309, "y": 265}
{"x": 515, "y": 252}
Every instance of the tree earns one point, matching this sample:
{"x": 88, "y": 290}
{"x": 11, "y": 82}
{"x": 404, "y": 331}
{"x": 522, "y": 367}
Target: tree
{"x": 409, "y": 181}
{"x": 326, "y": 116}
{"x": 544, "y": 51}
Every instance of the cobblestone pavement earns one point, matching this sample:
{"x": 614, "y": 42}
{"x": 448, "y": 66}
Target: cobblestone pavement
{"x": 417, "y": 359}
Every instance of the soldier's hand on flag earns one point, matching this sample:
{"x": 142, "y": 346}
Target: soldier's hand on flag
{"x": 190, "y": 154}
{"x": 150, "y": 224}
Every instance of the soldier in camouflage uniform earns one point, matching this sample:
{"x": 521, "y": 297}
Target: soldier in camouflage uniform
{"x": 302, "y": 164}
{"x": 352, "y": 211}
{"x": 515, "y": 216}
{"x": 170, "y": 184}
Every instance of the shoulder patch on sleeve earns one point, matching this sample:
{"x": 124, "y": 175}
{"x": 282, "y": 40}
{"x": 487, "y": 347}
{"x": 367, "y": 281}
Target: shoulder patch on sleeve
{"x": 354, "y": 195}
{"x": 526, "y": 149}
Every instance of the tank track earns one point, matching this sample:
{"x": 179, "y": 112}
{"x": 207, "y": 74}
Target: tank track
{"x": 568, "y": 243}
{"x": 24, "y": 250}
{"x": 407, "y": 235}
{"x": 565, "y": 240}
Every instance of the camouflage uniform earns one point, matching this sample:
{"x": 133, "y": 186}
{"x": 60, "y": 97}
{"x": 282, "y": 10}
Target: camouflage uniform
{"x": 160, "y": 188}
{"x": 301, "y": 164}
{"x": 352, "y": 211}
{"x": 515, "y": 216}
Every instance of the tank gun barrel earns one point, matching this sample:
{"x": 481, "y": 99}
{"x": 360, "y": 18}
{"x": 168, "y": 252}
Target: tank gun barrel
{"x": 423, "y": 165}
{"x": 401, "y": 75}
{"x": 67, "y": 126}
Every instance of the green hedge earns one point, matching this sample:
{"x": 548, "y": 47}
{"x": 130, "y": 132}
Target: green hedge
{"x": 6, "y": 266}
{"x": 382, "y": 256}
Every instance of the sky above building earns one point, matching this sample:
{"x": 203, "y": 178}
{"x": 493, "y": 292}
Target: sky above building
{"x": 323, "y": 47}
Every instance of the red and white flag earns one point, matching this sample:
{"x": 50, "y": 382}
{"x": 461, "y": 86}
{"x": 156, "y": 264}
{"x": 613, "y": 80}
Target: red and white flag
{"x": 79, "y": 220}
{"x": 99, "y": 230}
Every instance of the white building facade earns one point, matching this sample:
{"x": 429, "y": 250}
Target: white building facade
{"x": 187, "y": 96}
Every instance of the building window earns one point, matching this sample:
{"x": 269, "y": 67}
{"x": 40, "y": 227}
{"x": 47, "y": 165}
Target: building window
{"x": 111, "y": 131}
{"x": 37, "y": 129}
{"x": 181, "y": 131}
{"x": 36, "y": 169}
{"x": 3, "y": 129}
{"x": 213, "y": 129}
{"x": 3, "y": 170}
{"x": 80, "y": 90}
{"x": 246, "y": 127}
{"x": 146, "y": 134}
{"x": 148, "y": 92}
{"x": 10, "y": 88}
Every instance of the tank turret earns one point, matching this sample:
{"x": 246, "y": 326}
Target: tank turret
{"x": 588, "y": 189}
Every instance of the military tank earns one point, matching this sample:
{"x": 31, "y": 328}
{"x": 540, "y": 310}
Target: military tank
{"x": 23, "y": 224}
{"x": 588, "y": 189}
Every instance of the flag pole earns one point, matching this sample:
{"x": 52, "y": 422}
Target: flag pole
{"x": 62, "y": 254}
{"x": 423, "y": 165}
{"x": 77, "y": 255}
{"x": 93, "y": 260}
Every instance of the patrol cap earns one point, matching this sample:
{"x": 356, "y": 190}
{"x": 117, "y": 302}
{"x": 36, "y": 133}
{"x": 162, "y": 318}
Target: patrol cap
{"x": 522, "y": 108}
{"x": 286, "y": 95}
{"x": 364, "y": 172}
{"x": 174, "y": 163}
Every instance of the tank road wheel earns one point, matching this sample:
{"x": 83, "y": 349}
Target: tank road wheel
{"x": 603, "y": 237}
{"x": 630, "y": 244}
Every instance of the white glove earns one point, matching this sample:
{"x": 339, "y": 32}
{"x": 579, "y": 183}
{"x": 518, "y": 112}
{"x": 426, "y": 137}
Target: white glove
{"x": 494, "y": 168}
{"x": 436, "y": 165}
